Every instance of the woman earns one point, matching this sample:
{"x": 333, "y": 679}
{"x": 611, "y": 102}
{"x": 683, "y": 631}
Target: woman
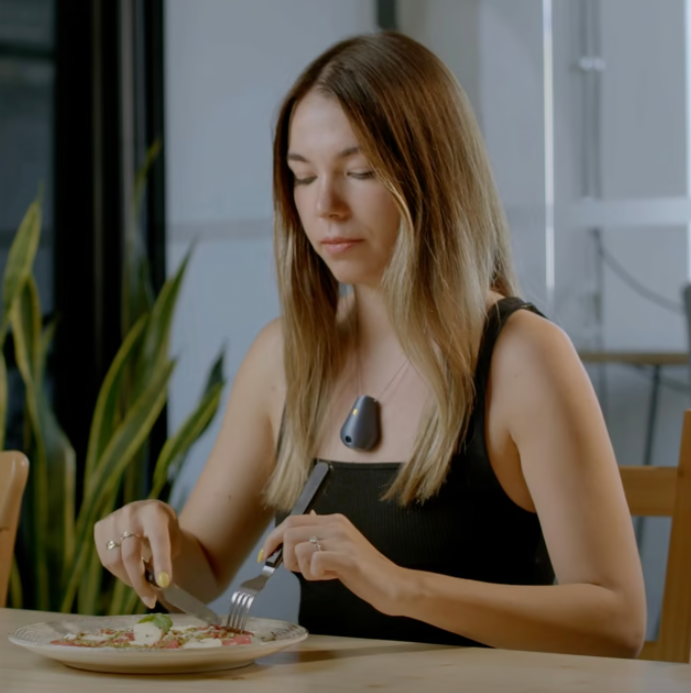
{"x": 487, "y": 443}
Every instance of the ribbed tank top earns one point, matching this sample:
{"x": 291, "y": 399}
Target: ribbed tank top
{"x": 471, "y": 529}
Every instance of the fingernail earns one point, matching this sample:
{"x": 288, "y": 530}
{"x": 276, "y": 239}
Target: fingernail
{"x": 163, "y": 580}
{"x": 260, "y": 556}
{"x": 149, "y": 601}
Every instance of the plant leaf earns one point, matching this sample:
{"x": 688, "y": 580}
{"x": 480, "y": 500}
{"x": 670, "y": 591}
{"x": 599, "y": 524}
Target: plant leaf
{"x": 154, "y": 350}
{"x": 25, "y": 317}
{"x": 137, "y": 291}
{"x": 106, "y": 416}
{"x": 20, "y": 260}
{"x": 176, "y": 447}
{"x": 127, "y": 439}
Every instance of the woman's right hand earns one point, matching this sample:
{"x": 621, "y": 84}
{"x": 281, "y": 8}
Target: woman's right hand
{"x": 142, "y": 531}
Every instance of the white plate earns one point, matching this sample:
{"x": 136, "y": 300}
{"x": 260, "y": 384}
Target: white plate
{"x": 37, "y": 638}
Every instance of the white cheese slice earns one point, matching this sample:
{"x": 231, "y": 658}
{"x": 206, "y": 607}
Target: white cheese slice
{"x": 146, "y": 634}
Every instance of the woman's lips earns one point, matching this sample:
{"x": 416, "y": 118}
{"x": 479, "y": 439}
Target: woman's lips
{"x": 336, "y": 246}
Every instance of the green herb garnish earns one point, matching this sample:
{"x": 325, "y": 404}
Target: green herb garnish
{"x": 162, "y": 621}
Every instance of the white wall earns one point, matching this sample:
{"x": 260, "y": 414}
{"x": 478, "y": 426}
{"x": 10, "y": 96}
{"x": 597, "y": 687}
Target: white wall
{"x": 228, "y": 64}
{"x": 643, "y": 155}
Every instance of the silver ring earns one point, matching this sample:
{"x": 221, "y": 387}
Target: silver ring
{"x": 315, "y": 541}
{"x": 112, "y": 544}
{"x": 127, "y": 535}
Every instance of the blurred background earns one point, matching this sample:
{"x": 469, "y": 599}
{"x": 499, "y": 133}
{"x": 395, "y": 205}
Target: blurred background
{"x": 585, "y": 110}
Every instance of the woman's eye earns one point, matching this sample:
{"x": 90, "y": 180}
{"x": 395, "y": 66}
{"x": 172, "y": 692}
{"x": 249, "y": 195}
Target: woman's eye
{"x": 361, "y": 175}
{"x": 303, "y": 181}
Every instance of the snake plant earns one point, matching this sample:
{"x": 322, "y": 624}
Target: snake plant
{"x": 62, "y": 571}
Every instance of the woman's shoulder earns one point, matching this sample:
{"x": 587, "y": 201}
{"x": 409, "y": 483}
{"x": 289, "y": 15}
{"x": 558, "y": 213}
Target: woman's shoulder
{"x": 533, "y": 353}
{"x": 261, "y": 378}
{"x": 530, "y": 335}
{"x": 264, "y": 360}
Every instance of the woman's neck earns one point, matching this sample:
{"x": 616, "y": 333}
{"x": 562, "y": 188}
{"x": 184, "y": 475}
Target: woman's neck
{"x": 374, "y": 329}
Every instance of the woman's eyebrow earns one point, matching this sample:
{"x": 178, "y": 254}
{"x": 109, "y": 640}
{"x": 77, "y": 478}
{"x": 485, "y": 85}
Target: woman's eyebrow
{"x": 348, "y": 151}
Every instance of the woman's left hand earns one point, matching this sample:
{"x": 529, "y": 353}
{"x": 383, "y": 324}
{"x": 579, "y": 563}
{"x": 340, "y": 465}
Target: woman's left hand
{"x": 329, "y": 547}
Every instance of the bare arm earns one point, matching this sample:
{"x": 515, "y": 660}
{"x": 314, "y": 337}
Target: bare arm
{"x": 224, "y": 516}
{"x": 546, "y": 403}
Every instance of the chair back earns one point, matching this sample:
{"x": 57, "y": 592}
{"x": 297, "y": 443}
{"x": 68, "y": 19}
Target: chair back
{"x": 14, "y": 471}
{"x": 666, "y": 492}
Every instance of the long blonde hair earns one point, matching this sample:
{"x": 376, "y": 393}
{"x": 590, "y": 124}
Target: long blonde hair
{"x": 417, "y": 129}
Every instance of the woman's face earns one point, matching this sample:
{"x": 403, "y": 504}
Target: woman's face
{"x": 350, "y": 218}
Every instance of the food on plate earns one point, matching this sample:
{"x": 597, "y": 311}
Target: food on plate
{"x": 157, "y": 631}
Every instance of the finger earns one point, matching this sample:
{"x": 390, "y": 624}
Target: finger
{"x": 303, "y": 554}
{"x": 111, "y": 558}
{"x": 158, "y": 535}
{"x": 330, "y": 565}
{"x": 291, "y": 539}
{"x": 310, "y": 523}
{"x": 132, "y": 557}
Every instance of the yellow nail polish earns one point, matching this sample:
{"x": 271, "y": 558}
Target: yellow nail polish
{"x": 260, "y": 556}
{"x": 163, "y": 580}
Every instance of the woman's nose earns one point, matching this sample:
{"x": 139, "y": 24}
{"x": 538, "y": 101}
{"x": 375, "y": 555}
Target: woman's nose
{"x": 329, "y": 202}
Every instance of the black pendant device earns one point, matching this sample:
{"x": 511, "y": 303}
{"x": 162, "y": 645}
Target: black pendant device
{"x": 361, "y": 430}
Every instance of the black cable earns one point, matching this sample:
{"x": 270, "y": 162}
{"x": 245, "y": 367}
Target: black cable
{"x": 633, "y": 283}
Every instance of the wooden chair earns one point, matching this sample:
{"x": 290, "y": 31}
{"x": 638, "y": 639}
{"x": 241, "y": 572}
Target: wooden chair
{"x": 666, "y": 492}
{"x": 14, "y": 470}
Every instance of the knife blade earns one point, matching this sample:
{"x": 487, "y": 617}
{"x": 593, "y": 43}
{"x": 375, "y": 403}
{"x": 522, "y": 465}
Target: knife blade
{"x": 183, "y": 600}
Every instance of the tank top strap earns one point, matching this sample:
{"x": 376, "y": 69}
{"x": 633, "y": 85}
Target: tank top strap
{"x": 497, "y": 317}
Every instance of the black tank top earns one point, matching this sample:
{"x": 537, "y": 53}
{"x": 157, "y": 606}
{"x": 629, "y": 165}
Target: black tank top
{"x": 471, "y": 529}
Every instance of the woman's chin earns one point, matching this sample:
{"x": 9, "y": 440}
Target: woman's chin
{"x": 356, "y": 279}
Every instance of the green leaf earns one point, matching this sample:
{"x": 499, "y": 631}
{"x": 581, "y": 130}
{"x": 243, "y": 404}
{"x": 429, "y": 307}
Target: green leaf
{"x": 47, "y": 336}
{"x": 154, "y": 350}
{"x": 60, "y": 505}
{"x": 176, "y": 447}
{"x": 137, "y": 291}
{"x": 162, "y": 621}
{"x": 106, "y": 417}
{"x": 20, "y": 260}
{"x": 118, "y": 599}
{"x": 61, "y": 475}
{"x": 127, "y": 439}
{"x": 25, "y": 317}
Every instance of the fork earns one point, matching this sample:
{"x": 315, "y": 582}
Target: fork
{"x": 244, "y": 596}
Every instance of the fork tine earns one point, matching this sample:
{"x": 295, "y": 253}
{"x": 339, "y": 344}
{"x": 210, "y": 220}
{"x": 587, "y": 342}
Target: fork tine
{"x": 238, "y": 598}
{"x": 230, "y": 621}
{"x": 246, "y": 613}
{"x": 239, "y": 602}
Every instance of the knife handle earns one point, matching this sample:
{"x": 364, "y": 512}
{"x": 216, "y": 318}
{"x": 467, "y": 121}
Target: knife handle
{"x": 149, "y": 576}
{"x": 315, "y": 481}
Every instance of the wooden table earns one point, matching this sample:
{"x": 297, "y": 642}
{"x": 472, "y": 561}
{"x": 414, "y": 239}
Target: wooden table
{"x": 344, "y": 665}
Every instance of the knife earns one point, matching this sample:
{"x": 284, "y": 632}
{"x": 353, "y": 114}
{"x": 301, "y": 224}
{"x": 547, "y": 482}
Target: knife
{"x": 183, "y": 600}
{"x": 308, "y": 496}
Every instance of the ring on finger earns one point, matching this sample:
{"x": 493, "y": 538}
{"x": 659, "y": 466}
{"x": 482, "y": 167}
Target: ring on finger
{"x": 315, "y": 541}
{"x": 112, "y": 544}
{"x": 126, "y": 535}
